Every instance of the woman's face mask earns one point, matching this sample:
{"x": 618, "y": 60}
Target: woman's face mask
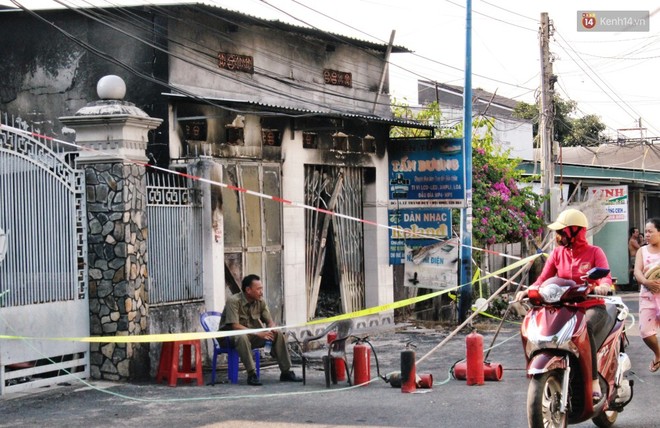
{"x": 561, "y": 238}
{"x": 566, "y": 236}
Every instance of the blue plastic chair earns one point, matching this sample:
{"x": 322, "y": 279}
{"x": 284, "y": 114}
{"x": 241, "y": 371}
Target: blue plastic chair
{"x": 211, "y": 322}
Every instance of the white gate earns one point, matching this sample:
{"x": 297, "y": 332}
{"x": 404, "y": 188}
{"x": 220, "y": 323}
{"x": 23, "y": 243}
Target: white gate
{"x": 43, "y": 277}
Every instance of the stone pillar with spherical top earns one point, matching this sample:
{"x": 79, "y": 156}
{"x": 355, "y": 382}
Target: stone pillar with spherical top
{"x": 112, "y": 135}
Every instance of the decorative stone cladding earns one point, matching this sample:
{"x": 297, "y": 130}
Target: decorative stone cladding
{"x": 118, "y": 294}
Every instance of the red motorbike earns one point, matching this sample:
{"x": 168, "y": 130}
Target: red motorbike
{"x": 558, "y": 354}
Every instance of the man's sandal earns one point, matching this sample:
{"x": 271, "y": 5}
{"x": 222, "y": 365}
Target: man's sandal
{"x": 655, "y": 365}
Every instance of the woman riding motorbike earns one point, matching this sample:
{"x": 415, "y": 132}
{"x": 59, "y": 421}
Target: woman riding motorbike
{"x": 572, "y": 259}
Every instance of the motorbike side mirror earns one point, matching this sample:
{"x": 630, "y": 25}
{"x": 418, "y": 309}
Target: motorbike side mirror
{"x": 597, "y": 273}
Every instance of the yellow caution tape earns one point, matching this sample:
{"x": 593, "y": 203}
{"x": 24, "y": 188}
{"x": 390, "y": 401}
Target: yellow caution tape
{"x": 410, "y": 301}
{"x": 165, "y": 337}
{"x": 477, "y": 277}
{"x": 173, "y": 337}
{"x": 486, "y": 314}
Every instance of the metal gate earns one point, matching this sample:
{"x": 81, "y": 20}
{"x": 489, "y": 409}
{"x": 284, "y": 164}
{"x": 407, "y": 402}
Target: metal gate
{"x": 43, "y": 277}
{"x": 174, "y": 211}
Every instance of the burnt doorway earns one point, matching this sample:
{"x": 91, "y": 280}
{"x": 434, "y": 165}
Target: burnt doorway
{"x": 329, "y": 300}
{"x": 334, "y": 243}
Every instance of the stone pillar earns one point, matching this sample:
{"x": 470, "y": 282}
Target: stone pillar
{"x": 114, "y": 135}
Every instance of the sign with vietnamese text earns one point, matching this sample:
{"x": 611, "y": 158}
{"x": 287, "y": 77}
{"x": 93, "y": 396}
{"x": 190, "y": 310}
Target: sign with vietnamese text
{"x": 434, "y": 266}
{"x": 416, "y": 227}
{"x": 615, "y": 199}
{"x": 426, "y": 173}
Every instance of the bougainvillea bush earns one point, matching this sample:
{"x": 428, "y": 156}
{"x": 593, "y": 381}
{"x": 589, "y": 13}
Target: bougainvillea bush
{"x": 504, "y": 207}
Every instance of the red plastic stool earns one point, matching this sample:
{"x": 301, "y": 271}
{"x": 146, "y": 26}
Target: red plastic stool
{"x": 168, "y": 367}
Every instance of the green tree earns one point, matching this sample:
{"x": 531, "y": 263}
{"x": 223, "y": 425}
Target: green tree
{"x": 430, "y": 115}
{"x": 569, "y": 131}
{"x": 523, "y": 110}
{"x": 586, "y": 132}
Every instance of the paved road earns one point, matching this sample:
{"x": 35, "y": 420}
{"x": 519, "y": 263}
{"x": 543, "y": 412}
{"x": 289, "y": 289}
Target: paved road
{"x": 450, "y": 403}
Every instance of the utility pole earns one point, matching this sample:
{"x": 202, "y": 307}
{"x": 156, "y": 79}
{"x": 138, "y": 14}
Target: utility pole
{"x": 547, "y": 116}
{"x": 465, "y": 301}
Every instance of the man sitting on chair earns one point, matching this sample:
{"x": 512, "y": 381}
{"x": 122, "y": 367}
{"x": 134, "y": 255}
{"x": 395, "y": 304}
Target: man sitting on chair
{"x": 248, "y": 310}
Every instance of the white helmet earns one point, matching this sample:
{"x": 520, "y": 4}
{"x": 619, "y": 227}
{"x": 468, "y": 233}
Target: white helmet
{"x": 570, "y": 217}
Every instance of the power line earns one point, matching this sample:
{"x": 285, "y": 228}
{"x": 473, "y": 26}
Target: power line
{"x": 509, "y": 11}
{"x": 393, "y": 64}
{"x": 198, "y": 49}
{"x": 534, "y": 30}
{"x": 608, "y": 93}
{"x": 576, "y": 104}
{"x": 181, "y": 57}
{"x": 103, "y": 18}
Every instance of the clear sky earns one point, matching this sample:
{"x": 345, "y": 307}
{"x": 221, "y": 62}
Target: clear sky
{"x": 609, "y": 74}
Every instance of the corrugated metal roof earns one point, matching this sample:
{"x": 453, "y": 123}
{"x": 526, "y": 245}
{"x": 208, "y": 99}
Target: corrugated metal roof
{"x": 635, "y": 163}
{"x": 253, "y": 20}
{"x": 478, "y": 94}
{"x": 309, "y": 31}
{"x": 273, "y": 110}
{"x": 640, "y": 156}
{"x": 598, "y": 174}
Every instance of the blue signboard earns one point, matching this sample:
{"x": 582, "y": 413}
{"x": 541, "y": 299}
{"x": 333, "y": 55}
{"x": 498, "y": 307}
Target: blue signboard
{"x": 416, "y": 227}
{"x": 426, "y": 173}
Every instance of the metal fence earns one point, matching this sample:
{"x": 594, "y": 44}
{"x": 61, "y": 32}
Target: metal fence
{"x": 174, "y": 213}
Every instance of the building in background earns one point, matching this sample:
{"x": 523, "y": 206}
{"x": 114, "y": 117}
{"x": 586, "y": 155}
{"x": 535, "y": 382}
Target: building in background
{"x": 510, "y": 132}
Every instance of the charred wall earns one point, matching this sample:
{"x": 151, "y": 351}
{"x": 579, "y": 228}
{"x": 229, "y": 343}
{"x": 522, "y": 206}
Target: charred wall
{"x": 51, "y": 70}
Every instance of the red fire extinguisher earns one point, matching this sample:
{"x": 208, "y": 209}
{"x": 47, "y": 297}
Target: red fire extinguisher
{"x": 338, "y": 366}
{"x": 361, "y": 363}
{"x": 475, "y": 358}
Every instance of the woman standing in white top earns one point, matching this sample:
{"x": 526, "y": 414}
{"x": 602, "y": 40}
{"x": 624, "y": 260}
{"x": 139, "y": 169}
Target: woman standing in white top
{"x": 647, "y": 273}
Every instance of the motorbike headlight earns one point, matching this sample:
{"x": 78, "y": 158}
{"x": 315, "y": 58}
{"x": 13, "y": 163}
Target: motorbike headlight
{"x": 535, "y": 335}
{"x": 551, "y": 293}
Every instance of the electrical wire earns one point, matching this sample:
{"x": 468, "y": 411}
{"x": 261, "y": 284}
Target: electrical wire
{"x": 138, "y": 73}
{"x": 106, "y": 20}
{"x": 191, "y": 61}
{"x": 591, "y": 75}
{"x": 281, "y": 80}
{"x": 576, "y": 104}
{"x": 189, "y": 45}
{"x": 393, "y": 64}
{"x": 493, "y": 18}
